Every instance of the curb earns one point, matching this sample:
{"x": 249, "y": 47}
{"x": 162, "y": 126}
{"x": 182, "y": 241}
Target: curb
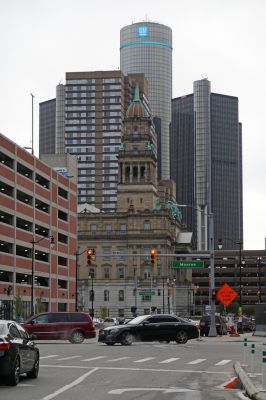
{"x": 250, "y": 388}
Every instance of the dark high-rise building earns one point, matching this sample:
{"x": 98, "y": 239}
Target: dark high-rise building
{"x": 47, "y": 118}
{"x": 197, "y": 120}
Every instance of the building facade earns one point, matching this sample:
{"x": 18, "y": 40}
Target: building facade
{"x": 90, "y": 111}
{"x": 146, "y": 47}
{"x": 206, "y": 123}
{"x": 38, "y": 207}
{"x": 121, "y": 277}
{"x": 243, "y": 270}
{"x": 47, "y": 123}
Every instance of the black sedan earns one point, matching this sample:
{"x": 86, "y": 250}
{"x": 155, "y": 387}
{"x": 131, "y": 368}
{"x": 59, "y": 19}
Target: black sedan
{"x": 148, "y": 328}
{"x": 18, "y": 353}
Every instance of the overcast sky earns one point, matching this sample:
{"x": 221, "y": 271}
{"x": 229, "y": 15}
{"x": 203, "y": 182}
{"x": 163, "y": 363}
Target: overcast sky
{"x": 221, "y": 39}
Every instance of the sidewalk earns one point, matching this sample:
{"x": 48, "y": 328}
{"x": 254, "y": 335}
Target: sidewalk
{"x": 251, "y": 382}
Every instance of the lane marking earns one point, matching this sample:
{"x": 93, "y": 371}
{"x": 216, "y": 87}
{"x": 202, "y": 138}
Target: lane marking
{"x": 54, "y": 355}
{"x": 164, "y": 390}
{"x": 223, "y": 362}
{"x": 169, "y": 360}
{"x": 94, "y": 358}
{"x": 198, "y": 361}
{"x": 118, "y": 359}
{"x": 70, "y": 385}
{"x": 68, "y": 358}
{"x": 144, "y": 359}
{"x": 192, "y": 371}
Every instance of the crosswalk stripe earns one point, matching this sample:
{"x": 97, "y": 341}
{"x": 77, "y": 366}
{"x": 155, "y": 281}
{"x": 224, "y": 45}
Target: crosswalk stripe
{"x": 118, "y": 359}
{"x": 169, "y": 360}
{"x": 198, "y": 361}
{"x": 94, "y": 358}
{"x": 54, "y": 355}
{"x": 223, "y": 362}
{"x": 68, "y": 358}
{"x": 144, "y": 359}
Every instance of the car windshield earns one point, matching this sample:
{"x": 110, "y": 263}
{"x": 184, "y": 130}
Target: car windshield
{"x": 137, "y": 320}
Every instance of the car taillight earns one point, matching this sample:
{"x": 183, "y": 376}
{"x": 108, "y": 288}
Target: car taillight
{"x": 4, "y": 345}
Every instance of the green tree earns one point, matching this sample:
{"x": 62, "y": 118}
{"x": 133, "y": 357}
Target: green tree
{"x": 103, "y": 312}
{"x": 18, "y": 306}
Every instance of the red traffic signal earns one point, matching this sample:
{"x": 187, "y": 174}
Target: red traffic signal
{"x": 214, "y": 293}
{"x": 90, "y": 253}
{"x": 152, "y": 255}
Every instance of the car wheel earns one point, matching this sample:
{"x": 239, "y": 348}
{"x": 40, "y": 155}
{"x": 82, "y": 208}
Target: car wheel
{"x": 76, "y": 337}
{"x": 181, "y": 337}
{"x": 13, "y": 378}
{"x": 127, "y": 339}
{"x": 33, "y": 374}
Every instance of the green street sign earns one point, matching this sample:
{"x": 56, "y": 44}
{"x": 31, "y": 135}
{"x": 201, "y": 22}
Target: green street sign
{"x": 147, "y": 293}
{"x": 187, "y": 264}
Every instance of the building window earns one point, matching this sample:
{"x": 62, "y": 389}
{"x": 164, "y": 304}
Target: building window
{"x": 62, "y": 215}
{"x": 108, "y": 227}
{"x": 106, "y": 273}
{"x": 121, "y": 312}
{"x": 23, "y": 224}
{"x": 93, "y": 228}
{"x": 7, "y": 161}
{"x": 121, "y": 295}
{"x": 6, "y": 218}
{"x": 62, "y": 192}
{"x": 6, "y": 189}
{"x": 6, "y": 247}
{"x": 40, "y": 205}
{"x": 120, "y": 273}
{"x": 62, "y": 238}
{"x": 91, "y": 272}
{"x": 123, "y": 228}
{"x": 62, "y": 261}
{"x": 41, "y": 230}
{"x": 106, "y": 295}
{"x": 21, "y": 169}
{"x": 62, "y": 284}
{"x": 147, "y": 226}
{"x": 42, "y": 181}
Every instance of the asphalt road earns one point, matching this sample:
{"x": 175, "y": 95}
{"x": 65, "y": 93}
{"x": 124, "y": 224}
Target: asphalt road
{"x": 196, "y": 370}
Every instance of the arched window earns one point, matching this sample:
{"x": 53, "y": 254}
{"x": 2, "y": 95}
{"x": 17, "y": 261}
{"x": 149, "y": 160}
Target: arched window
{"x": 106, "y": 295}
{"x": 135, "y": 172}
{"x": 127, "y": 173}
{"x": 121, "y": 295}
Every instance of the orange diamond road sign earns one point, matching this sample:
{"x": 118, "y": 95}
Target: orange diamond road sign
{"x": 226, "y": 294}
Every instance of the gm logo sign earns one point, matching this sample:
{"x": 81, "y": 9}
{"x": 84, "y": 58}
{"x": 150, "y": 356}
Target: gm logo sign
{"x": 142, "y": 31}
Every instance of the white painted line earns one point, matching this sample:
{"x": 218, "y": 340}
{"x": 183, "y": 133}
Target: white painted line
{"x": 118, "y": 359}
{"x": 223, "y": 362}
{"x": 68, "y": 358}
{"x": 164, "y": 390}
{"x": 94, "y": 358}
{"x": 185, "y": 371}
{"x": 54, "y": 355}
{"x": 169, "y": 360}
{"x": 144, "y": 359}
{"x": 198, "y": 361}
{"x": 69, "y": 386}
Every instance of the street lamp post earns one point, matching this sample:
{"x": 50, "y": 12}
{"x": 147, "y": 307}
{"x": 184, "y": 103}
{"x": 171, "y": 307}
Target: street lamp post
{"x": 76, "y": 289}
{"x": 33, "y": 242}
{"x": 92, "y": 296}
{"x": 212, "y": 331}
{"x": 259, "y": 273}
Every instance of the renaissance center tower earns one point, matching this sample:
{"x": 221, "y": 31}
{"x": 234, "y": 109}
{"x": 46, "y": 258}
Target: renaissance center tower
{"x": 146, "y": 47}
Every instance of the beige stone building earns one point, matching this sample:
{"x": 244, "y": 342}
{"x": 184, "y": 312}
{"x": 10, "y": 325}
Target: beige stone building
{"x": 121, "y": 274}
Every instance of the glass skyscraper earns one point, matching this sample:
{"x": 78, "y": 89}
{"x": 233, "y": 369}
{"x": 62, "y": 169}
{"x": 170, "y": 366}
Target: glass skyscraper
{"x": 200, "y": 120}
{"x": 146, "y": 47}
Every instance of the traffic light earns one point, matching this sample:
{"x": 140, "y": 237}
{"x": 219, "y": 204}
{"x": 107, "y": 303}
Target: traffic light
{"x": 152, "y": 255}
{"x": 90, "y": 253}
{"x": 214, "y": 293}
